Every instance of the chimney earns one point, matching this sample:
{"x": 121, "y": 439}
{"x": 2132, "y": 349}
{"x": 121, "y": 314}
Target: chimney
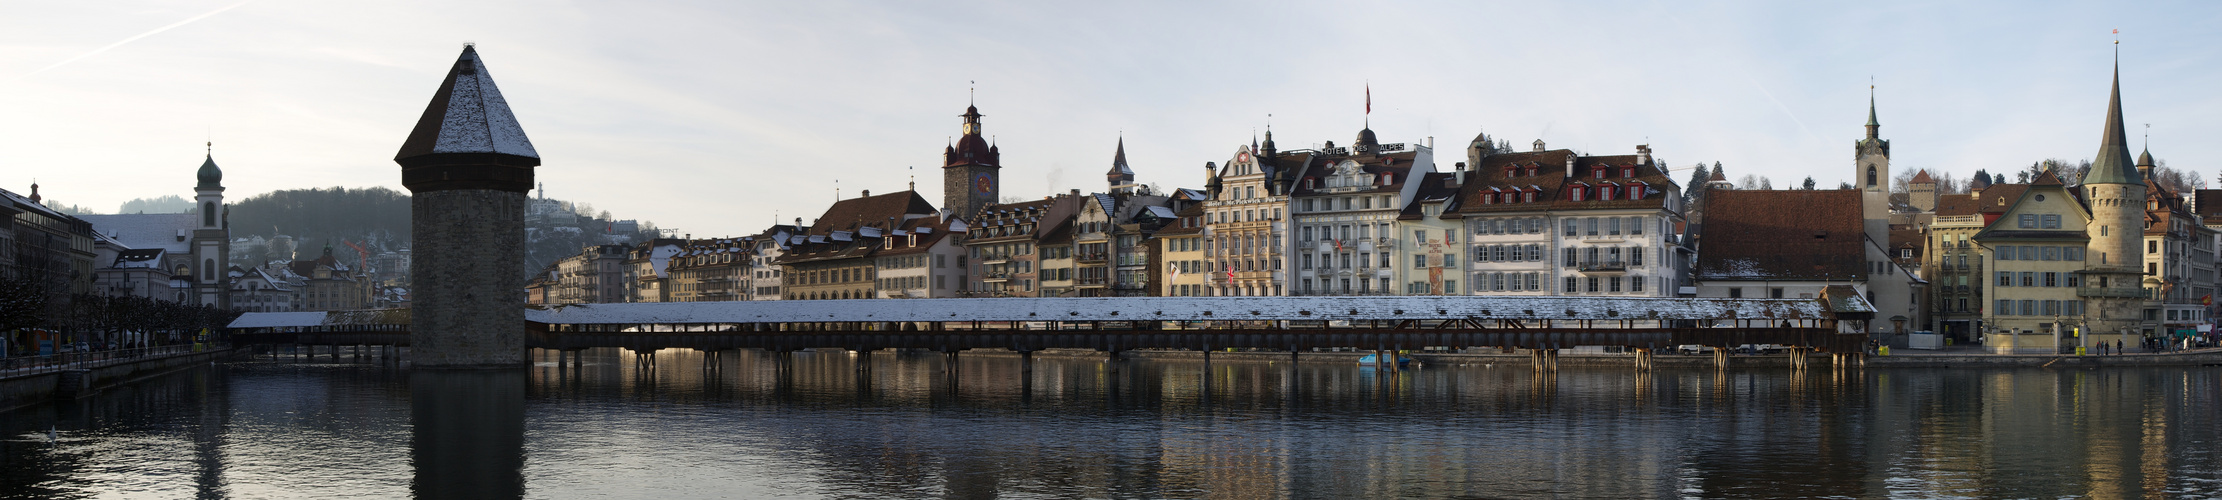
{"x": 1076, "y": 191}
{"x": 865, "y": 194}
{"x": 1461, "y": 175}
{"x": 1643, "y": 154}
{"x": 1538, "y": 144}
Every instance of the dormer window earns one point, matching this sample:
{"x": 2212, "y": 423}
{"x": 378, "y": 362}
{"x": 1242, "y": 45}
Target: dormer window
{"x": 1604, "y": 193}
{"x": 1628, "y": 172}
{"x": 1598, "y": 172}
{"x": 1578, "y": 193}
{"x": 1527, "y": 197}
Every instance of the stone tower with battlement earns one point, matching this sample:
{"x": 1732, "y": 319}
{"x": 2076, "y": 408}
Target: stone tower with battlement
{"x": 468, "y": 167}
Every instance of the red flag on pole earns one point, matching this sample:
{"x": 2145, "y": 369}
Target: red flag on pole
{"x": 1369, "y": 98}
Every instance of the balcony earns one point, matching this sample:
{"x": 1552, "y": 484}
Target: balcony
{"x": 996, "y": 277}
{"x": 1096, "y": 258}
{"x": 2110, "y": 292}
{"x": 1604, "y": 267}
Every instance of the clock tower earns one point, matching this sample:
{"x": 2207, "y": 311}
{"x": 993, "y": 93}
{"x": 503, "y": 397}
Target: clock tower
{"x": 970, "y": 176}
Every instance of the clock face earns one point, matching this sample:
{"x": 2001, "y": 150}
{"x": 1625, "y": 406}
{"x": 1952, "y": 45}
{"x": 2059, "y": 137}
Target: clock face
{"x": 983, "y": 184}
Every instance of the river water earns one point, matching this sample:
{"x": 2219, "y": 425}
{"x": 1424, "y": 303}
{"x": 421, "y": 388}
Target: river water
{"x": 742, "y": 427}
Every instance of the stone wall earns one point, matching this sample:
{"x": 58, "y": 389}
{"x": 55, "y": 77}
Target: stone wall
{"x": 468, "y": 303}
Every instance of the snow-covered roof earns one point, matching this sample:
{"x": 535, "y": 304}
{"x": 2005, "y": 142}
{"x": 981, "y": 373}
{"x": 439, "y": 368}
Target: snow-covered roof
{"x": 468, "y": 115}
{"x": 146, "y": 231}
{"x": 1183, "y": 308}
{"x": 323, "y": 318}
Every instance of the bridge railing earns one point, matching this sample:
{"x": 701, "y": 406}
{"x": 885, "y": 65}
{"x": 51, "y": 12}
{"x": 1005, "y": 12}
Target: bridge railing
{"x": 33, "y": 365}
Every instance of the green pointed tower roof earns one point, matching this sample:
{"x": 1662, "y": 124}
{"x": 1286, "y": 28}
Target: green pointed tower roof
{"x": 2113, "y": 166}
{"x": 210, "y": 176}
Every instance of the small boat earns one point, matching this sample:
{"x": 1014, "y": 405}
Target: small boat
{"x": 1369, "y": 360}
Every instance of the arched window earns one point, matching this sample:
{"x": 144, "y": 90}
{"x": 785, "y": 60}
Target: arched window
{"x": 208, "y": 214}
{"x": 1870, "y": 175}
{"x": 208, "y": 269}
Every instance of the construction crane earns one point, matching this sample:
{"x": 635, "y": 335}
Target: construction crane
{"x": 362, "y": 256}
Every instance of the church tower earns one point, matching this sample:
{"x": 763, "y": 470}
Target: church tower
{"x": 1872, "y": 169}
{"x": 2112, "y": 277}
{"x": 211, "y": 245}
{"x": 970, "y": 170}
{"x": 1120, "y": 177}
{"x": 468, "y": 166}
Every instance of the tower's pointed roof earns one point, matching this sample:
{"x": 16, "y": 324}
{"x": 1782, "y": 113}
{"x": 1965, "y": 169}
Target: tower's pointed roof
{"x": 209, "y": 175}
{"x": 1922, "y": 177}
{"x": 1118, "y": 161}
{"x": 2145, "y": 159}
{"x": 2112, "y": 166}
{"x": 1719, "y": 174}
{"x": 1871, "y": 121}
{"x": 467, "y": 115}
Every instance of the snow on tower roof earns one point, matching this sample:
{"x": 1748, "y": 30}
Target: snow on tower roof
{"x": 467, "y": 115}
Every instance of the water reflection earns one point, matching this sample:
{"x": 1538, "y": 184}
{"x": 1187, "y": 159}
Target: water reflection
{"x": 469, "y": 434}
{"x": 746, "y": 424}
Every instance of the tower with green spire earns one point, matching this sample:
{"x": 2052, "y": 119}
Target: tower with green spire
{"x": 1871, "y": 169}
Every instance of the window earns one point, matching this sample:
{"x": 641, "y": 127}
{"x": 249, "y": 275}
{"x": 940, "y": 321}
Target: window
{"x": 1733, "y": 293}
{"x": 2029, "y": 253}
{"x": 2052, "y": 279}
{"x": 1635, "y": 284}
{"x": 1570, "y": 227}
{"x": 1419, "y": 261}
{"x": 2027, "y": 221}
{"x": 2005, "y": 278}
{"x": 1589, "y": 226}
{"x": 1774, "y": 292}
{"x": 2005, "y": 253}
{"x": 1635, "y": 256}
{"x": 1613, "y": 284}
{"x": 2028, "y": 278}
{"x": 1593, "y": 284}
{"x": 2049, "y": 221}
{"x": 2152, "y": 246}
{"x": 1635, "y": 225}
{"x": 1569, "y": 259}
{"x": 1570, "y": 286}
{"x": 2005, "y": 308}
{"x": 1419, "y": 236}
{"x": 1612, "y": 226}
{"x": 2052, "y": 253}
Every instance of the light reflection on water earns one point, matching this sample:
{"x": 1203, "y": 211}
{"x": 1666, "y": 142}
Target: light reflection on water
{"x": 744, "y": 427}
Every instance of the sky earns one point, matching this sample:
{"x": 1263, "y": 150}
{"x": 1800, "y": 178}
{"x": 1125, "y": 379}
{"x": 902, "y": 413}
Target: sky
{"x": 716, "y": 118}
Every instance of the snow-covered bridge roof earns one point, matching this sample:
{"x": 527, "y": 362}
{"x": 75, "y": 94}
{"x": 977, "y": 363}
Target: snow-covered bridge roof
{"x": 1184, "y": 308}
{"x": 332, "y": 318}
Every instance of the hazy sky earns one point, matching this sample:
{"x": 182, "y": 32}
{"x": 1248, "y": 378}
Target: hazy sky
{"x": 710, "y": 117}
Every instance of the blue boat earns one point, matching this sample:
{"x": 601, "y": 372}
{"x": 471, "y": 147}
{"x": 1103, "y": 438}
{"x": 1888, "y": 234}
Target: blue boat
{"x": 1370, "y": 361}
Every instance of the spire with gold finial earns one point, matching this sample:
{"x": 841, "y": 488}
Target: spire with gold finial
{"x": 2113, "y": 165}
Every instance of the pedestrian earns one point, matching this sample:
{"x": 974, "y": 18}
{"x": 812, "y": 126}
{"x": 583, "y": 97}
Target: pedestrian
{"x": 2102, "y": 348}
{"x": 2117, "y": 345}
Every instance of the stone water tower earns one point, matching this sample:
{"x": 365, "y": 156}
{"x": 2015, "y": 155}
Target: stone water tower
{"x": 468, "y": 166}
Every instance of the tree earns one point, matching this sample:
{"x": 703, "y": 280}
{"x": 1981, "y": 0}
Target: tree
{"x": 1748, "y": 182}
{"x": 169, "y": 204}
{"x": 1998, "y": 178}
{"x": 1809, "y": 183}
{"x": 1766, "y": 184}
{"x": 1902, "y": 182}
{"x": 1843, "y": 185}
{"x": 1697, "y": 180}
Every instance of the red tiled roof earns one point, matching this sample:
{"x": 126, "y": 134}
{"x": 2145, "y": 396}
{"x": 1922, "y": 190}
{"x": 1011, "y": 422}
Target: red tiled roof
{"x": 1782, "y": 235}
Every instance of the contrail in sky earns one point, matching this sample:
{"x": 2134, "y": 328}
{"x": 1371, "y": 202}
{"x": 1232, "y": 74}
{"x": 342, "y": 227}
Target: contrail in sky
{"x": 133, "y": 38}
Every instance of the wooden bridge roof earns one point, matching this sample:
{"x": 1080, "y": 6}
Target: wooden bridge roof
{"x": 1186, "y": 309}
